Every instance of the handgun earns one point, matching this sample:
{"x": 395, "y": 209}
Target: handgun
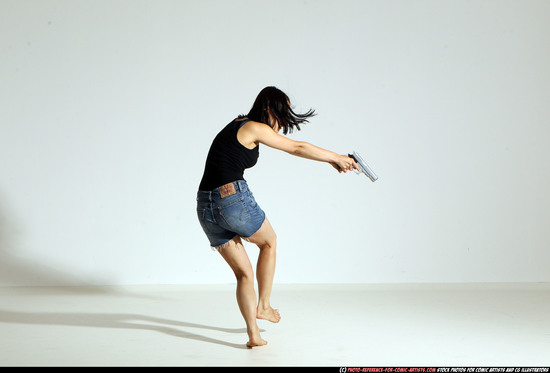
{"x": 363, "y": 166}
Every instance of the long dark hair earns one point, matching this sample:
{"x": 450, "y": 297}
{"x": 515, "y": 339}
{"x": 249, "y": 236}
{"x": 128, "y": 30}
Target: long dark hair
{"x": 273, "y": 100}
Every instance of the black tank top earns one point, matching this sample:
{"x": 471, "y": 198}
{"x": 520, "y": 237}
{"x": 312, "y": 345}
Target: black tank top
{"x": 227, "y": 158}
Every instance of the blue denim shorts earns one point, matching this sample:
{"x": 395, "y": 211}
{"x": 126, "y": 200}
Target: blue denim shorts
{"x": 234, "y": 215}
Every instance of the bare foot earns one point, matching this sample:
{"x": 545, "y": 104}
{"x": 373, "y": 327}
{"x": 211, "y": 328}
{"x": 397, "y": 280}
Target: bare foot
{"x": 256, "y": 342}
{"x": 268, "y": 314}
{"x": 255, "y": 339}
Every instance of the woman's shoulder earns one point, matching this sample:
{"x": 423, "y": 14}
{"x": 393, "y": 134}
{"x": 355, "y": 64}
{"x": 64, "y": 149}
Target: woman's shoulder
{"x": 255, "y": 129}
{"x": 245, "y": 122}
{"x": 249, "y": 122}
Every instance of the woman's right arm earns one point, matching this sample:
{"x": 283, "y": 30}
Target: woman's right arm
{"x": 264, "y": 134}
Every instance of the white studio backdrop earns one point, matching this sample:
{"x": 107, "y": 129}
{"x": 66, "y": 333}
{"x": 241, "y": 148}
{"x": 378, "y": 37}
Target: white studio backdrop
{"x": 108, "y": 109}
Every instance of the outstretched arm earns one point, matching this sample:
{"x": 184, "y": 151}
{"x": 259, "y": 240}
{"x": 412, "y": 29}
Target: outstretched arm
{"x": 261, "y": 133}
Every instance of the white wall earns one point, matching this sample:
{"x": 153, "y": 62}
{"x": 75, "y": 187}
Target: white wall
{"x": 107, "y": 110}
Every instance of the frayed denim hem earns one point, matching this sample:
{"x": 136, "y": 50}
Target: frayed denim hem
{"x": 222, "y": 246}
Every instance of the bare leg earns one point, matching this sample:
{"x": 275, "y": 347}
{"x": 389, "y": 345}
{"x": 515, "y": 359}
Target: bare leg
{"x": 235, "y": 255}
{"x": 266, "y": 240}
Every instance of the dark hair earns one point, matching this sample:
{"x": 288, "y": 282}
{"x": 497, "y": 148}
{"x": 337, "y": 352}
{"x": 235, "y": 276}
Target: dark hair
{"x": 273, "y": 100}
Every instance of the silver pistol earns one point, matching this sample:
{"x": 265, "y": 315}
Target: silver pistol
{"x": 363, "y": 166}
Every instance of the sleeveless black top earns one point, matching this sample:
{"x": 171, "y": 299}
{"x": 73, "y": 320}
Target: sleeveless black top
{"x": 227, "y": 158}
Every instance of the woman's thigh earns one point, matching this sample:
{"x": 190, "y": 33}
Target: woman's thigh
{"x": 264, "y": 236}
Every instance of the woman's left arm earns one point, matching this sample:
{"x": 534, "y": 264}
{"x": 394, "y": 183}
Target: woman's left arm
{"x": 265, "y": 135}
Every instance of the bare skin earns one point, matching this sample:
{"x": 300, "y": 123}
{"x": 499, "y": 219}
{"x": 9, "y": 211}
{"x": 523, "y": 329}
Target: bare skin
{"x": 250, "y": 135}
{"x": 253, "y": 133}
{"x": 266, "y": 240}
{"x": 235, "y": 255}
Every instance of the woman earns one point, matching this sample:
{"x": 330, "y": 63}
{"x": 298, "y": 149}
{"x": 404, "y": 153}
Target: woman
{"x": 226, "y": 207}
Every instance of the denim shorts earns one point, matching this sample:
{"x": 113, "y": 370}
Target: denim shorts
{"x": 224, "y": 218}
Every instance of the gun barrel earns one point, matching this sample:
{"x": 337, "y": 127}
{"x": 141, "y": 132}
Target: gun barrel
{"x": 364, "y": 166}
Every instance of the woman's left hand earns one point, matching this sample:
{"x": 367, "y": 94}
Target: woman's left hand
{"x": 344, "y": 164}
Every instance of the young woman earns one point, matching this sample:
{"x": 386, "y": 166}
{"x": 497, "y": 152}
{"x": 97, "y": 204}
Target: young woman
{"x": 227, "y": 210}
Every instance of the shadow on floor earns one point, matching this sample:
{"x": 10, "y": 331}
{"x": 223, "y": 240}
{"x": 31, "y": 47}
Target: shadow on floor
{"x": 118, "y": 321}
{"x": 16, "y": 270}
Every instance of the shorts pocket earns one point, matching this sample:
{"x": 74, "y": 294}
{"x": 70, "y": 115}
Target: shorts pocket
{"x": 235, "y": 213}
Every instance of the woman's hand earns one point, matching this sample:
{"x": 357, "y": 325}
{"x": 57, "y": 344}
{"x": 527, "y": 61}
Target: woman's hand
{"x": 344, "y": 164}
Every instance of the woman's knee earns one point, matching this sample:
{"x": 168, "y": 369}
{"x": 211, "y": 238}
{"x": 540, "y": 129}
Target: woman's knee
{"x": 270, "y": 244}
{"x": 268, "y": 240}
{"x": 244, "y": 274}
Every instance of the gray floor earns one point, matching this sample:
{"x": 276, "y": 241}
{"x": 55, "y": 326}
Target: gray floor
{"x": 322, "y": 325}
